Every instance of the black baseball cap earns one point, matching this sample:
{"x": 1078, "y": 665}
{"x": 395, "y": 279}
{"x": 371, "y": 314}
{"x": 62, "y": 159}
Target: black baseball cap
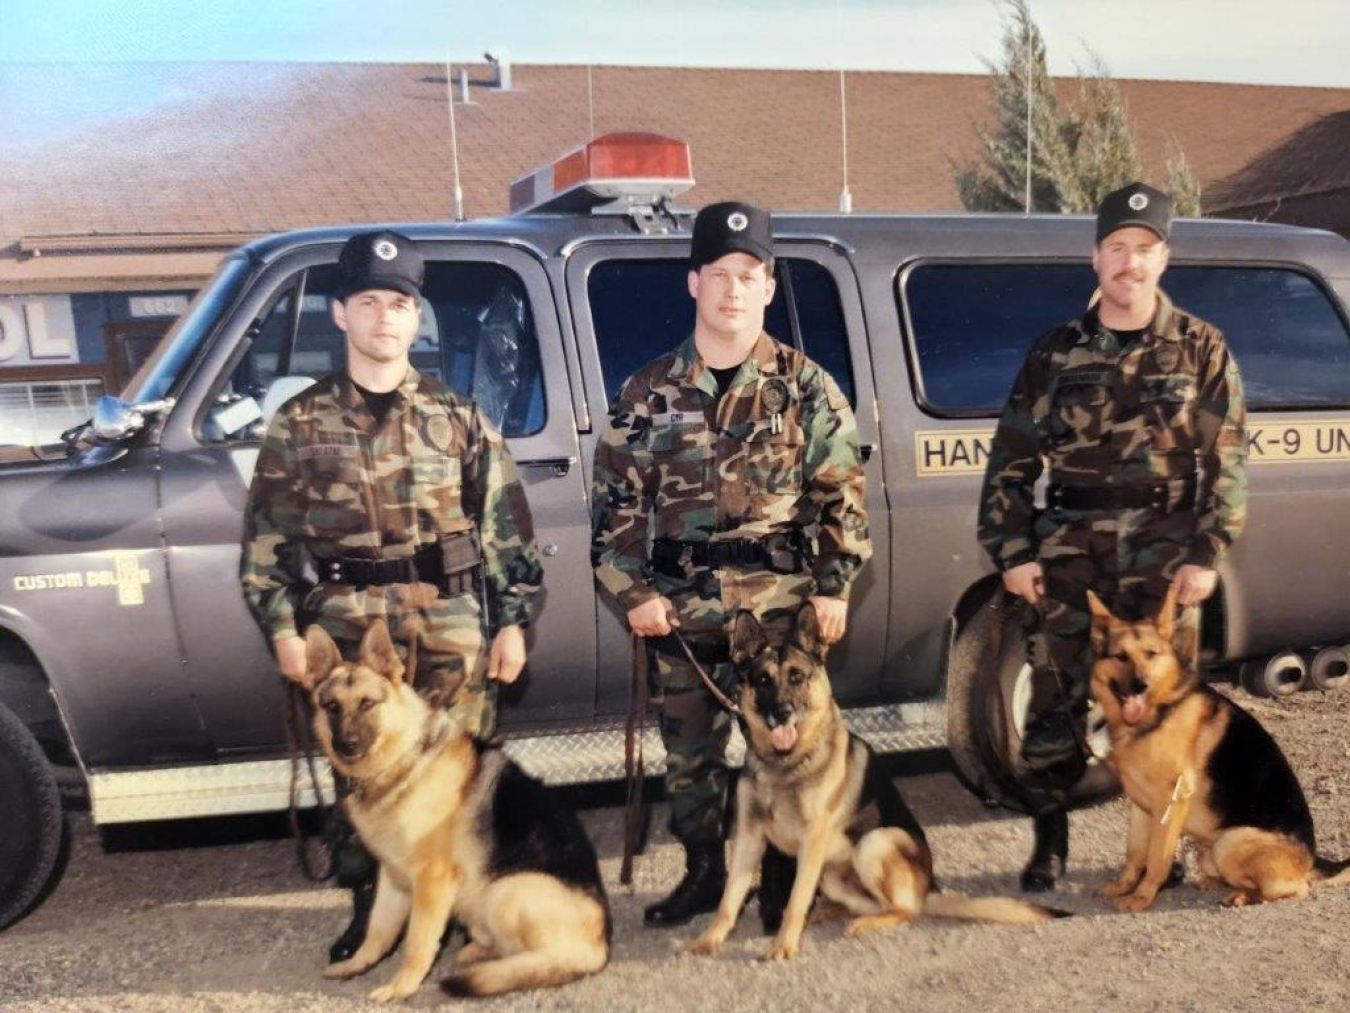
{"x": 1135, "y": 204}
{"x": 384, "y": 260}
{"x": 731, "y": 227}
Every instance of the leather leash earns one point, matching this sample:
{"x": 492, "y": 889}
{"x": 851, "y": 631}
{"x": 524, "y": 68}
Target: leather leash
{"x": 634, "y": 774}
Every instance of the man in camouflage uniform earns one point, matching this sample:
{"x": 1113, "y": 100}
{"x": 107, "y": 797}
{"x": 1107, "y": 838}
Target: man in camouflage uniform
{"x": 1137, "y": 407}
{"x": 722, "y": 453}
{"x": 381, "y": 493}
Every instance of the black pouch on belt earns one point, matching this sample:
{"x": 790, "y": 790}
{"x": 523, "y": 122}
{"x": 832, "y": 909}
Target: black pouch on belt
{"x": 462, "y": 561}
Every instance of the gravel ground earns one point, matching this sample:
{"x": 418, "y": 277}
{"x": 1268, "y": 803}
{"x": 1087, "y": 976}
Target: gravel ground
{"x": 182, "y": 922}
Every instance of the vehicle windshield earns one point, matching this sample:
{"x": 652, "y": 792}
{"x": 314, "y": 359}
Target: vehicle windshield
{"x": 158, "y": 374}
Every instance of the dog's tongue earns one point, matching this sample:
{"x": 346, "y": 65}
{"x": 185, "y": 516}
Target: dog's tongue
{"x": 1132, "y": 709}
{"x": 784, "y": 737}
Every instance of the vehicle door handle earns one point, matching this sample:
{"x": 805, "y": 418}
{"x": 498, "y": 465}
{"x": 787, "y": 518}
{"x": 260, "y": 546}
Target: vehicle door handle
{"x": 865, "y": 451}
{"x": 560, "y": 465}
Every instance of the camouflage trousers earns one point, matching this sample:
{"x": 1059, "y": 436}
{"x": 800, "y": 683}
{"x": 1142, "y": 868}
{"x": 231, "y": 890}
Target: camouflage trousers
{"x": 695, "y": 731}
{"x": 451, "y": 674}
{"x": 694, "y": 727}
{"x": 1128, "y": 561}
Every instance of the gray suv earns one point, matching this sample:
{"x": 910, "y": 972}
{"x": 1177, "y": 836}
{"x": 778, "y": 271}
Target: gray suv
{"x": 129, "y": 664}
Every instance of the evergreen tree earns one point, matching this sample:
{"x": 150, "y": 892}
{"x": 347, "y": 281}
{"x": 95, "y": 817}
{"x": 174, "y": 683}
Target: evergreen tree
{"x": 1181, "y": 181}
{"x": 998, "y": 182}
{"x": 1080, "y": 151}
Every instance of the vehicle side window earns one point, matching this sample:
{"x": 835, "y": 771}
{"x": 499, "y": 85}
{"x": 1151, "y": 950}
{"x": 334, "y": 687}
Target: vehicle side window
{"x": 1290, "y": 344}
{"x": 641, "y": 309}
{"x": 971, "y": 325}
{"x": 477, "y": 336}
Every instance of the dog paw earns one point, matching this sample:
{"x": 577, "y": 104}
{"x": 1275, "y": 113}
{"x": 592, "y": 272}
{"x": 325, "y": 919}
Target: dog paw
{"x": 1117, "y": 888}
{"x": 344, "y": 969}
{"x": 704, "y": 946}
{"x": 781, "y": 949}
{"x": 1135, "y": 902}
{"x": 396, "y": 989}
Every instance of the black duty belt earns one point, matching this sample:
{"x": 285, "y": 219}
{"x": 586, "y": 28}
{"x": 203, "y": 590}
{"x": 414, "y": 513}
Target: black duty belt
{"x": 426, "y": 566}
{"x": 1165, "y": 497}
{"x": 707, "y": 652}
{"x": 781, "y": 552}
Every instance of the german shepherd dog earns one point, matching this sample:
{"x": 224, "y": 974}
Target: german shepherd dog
{"x": 459, "y": 830}
{"x": 1195, "y": 764}
{"x": 812, "y": 789}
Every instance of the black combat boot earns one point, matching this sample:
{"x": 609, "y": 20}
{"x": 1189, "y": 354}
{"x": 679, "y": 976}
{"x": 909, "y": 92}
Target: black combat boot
{"x": 1050, "y": 853}
{"x": 363, "y": 899}
{"x": 705, "y": 877}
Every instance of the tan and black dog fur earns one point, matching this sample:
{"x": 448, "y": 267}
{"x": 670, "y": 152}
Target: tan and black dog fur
{"x": 458, "y": 829}
{"x": 1195, "y": 764}
{"x": 812, "y": 790}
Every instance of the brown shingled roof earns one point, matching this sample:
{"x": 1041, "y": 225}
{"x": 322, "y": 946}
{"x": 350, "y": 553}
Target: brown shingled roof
{"x": 328, "y": 143}
{"x": 1314, "y": 159}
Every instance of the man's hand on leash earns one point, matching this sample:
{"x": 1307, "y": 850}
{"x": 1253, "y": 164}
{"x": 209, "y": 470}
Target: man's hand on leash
{"x": 292, "y": 657}
{"x": 653, "y": 618}
{"x": 832, "y": 615}
{"x": 1195, "y": 584}
{"x": 1026, "y": 581}
{"x": 507, "y": 659}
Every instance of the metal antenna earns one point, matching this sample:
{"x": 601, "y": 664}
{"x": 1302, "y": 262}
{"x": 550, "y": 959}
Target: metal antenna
{"x": 454, "y": 144}
{"x": 845, "y": 198}
{"x": 1027, "y": 28}
{"x": 590, "y": 101}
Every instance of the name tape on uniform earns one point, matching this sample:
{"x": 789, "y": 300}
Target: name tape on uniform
{"x": 965, "y": 451}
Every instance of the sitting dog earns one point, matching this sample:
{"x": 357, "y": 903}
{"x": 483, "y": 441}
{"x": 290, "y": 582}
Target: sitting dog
{"x": 1193, "y": 763}
{"x": 813, "y": 790}
{"x": 459, "y": 830}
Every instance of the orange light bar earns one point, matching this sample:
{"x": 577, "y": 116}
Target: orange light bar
{"x": 634, "y": 167}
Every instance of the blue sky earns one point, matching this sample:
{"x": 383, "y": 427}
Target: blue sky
{"x": 1256, "y": 41}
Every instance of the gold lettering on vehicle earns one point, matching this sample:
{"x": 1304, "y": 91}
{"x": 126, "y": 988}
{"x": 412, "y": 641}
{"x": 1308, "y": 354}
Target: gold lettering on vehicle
{"x": 940, "y": 452}
{"x": 126, "y": 576}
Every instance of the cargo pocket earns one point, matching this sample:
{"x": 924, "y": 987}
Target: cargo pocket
{"x": 682, "y": 455}
{"x": 1168, "y": 406}
{"x": 333, "y": 486}
{"x": 773, "y": 462}
{"x": 437, "y": 487}
{"x": 1078, "y": 405}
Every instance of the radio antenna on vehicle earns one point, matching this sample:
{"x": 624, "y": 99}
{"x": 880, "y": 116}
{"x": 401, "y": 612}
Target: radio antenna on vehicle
{"x": 454, "y": 144}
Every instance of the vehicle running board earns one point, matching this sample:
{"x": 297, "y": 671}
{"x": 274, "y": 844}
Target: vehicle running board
{"x": 223, "y": 789}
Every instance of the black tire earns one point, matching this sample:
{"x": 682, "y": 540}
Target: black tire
{"x": 983, "y": 732}
{"x": 32, "y": 825}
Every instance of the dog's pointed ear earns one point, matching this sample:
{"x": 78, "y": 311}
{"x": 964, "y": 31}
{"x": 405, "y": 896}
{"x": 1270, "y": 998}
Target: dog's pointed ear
{"x": 806, "y": 631}
{"x": 378, "y": 653}
{"x": 321, "y": 656}
{"x": 1167, "y": 614}
{"x": 1101, "y": 623}
{"x": 747, "y": 638}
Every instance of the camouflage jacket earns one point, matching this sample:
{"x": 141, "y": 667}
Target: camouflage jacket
{"x": 675, "y": 462}
{"x": 329, "y": 483}
{"x": 1166, "y": 406}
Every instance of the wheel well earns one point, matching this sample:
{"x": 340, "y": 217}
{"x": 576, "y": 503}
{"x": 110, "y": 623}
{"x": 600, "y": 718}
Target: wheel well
{"x": 26, "y": 693}
{"x": 975, "y": 596}
{"x": 1213, "y": 617}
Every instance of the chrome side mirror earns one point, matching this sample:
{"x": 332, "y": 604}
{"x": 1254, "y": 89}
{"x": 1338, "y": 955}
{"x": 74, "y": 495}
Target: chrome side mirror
{"x": 115, "y": 419}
